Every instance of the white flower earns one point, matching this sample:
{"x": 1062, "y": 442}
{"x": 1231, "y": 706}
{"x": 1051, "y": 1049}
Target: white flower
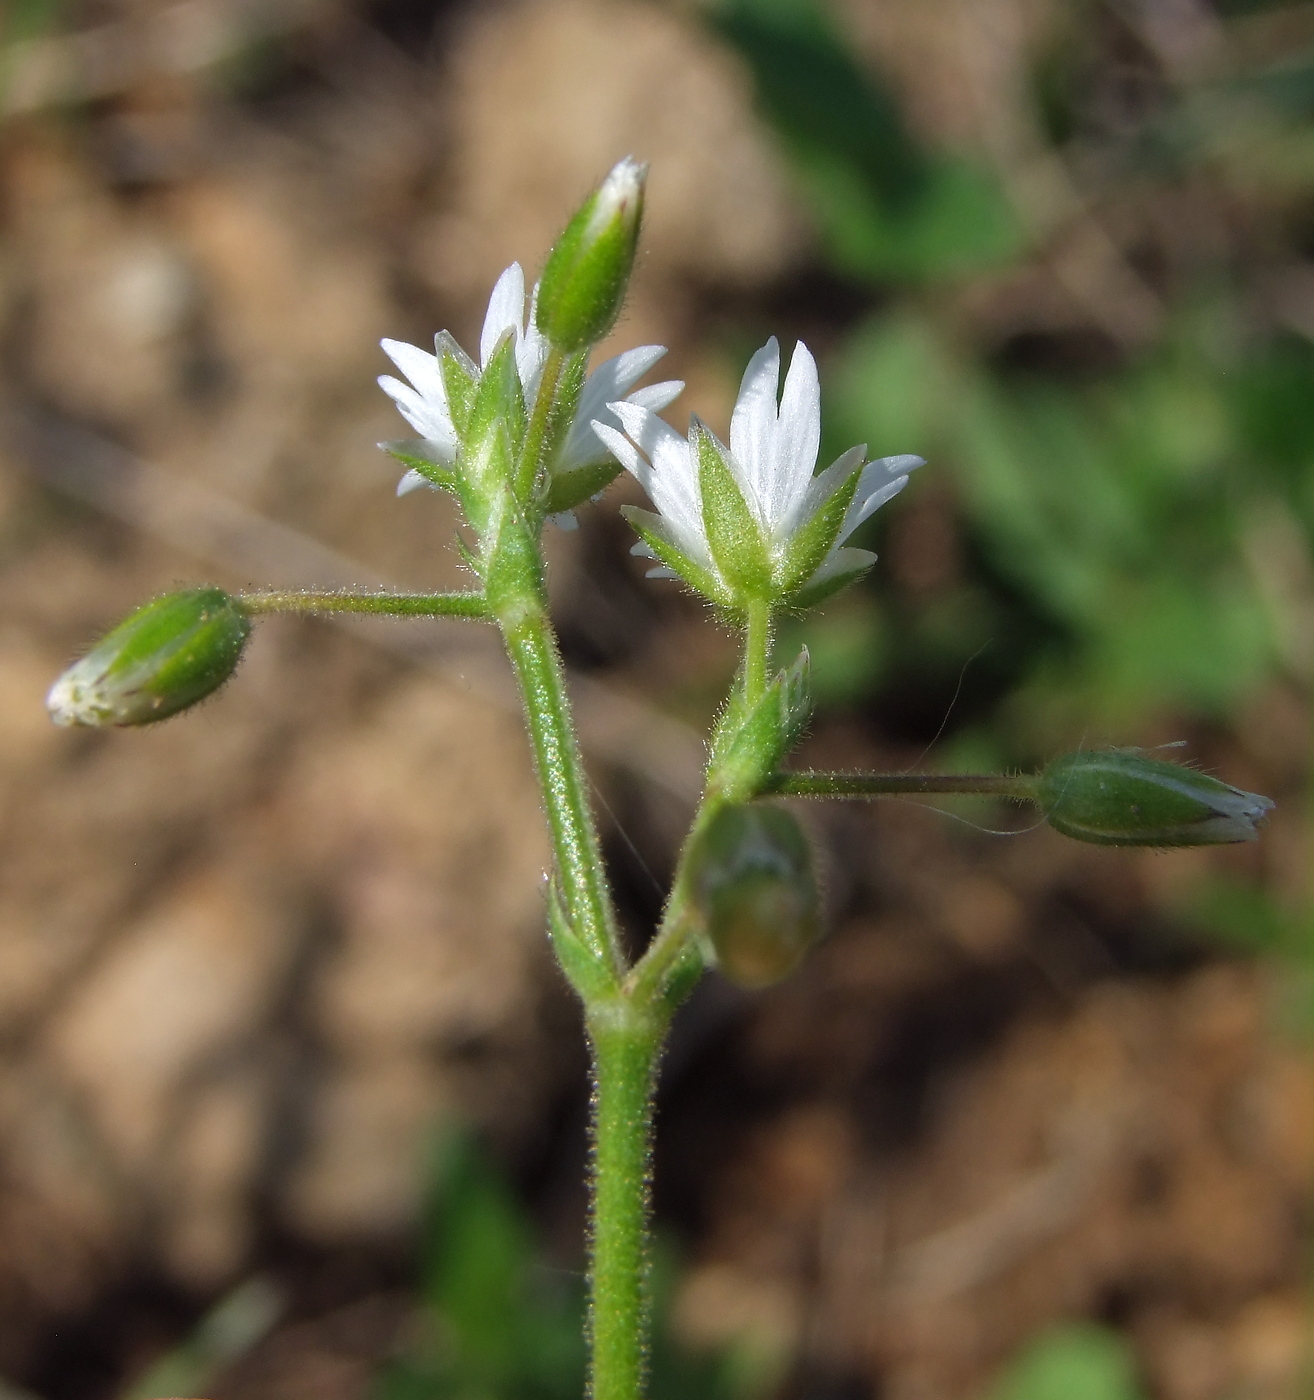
{"x": 423, "y": 402}
{"x": 799, "y": 529}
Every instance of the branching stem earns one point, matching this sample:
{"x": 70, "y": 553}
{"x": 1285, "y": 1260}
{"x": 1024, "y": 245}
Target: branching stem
{"x": 390, "y": 604}
{"x": 1021, "y": 787}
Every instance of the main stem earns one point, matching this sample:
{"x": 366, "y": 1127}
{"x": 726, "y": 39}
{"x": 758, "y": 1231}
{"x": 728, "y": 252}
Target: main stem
{"x": 625, "y": 1040}
{"x": 532, "y": 648}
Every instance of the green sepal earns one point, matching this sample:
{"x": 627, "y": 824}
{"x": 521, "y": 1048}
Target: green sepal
{"x": 486, "y": 466}
{"x": 751, "y": 740}
{"x": 498, "y": 407}
{"x": 733, "y": 535}
{"x": 1118, "y": 797}
{"x": 460, "y": 377}
{"x": 417, "y": 454}
{"x": 653, "y": 530}
{"x": 857, "y": 562}
{"x": 574, "y": 488}
{"x": 588, "y": 974}
{"x": 812, "y": 541}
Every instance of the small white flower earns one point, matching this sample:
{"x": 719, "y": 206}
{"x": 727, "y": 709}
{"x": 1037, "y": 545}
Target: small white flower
{"x": 423, "y": 402}
{"x": 799, "y": 548}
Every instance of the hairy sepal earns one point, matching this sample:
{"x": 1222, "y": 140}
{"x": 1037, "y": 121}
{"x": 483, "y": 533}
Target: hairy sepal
{"x": 498, "y": 409}
{"x": 653, "y": 531}
{"x": 574, "y": 488}
{"x": 734, "y": 536}
{"x": 853, "y": 564}
{"x": 460, "y": 380}
{"x": 813, "y": 541}
{"x": 418, "y": 454}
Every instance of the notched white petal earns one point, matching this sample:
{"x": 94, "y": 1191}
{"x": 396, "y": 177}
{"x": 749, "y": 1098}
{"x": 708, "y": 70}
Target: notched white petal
{"x": 506, "y": 311}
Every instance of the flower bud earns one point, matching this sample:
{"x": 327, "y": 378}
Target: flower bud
{"x": 165, "y": 657}
{"x": 754, "y": 885}
{"x": 1118, "y": 797}
{"x": 588, "y": 270}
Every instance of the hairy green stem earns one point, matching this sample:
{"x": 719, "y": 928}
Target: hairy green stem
{"x": 546, "y": 410}
{"x": 757, "y": 650}
{"x": 532, "y": 647}
{"x": 649, "y": 976}
{"x": 392, "y": 604}
{"x": 1020, "y": 786}
{"x": 626, "y": 1042}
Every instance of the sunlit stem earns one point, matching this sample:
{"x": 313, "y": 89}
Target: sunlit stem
{"x": 551, "y": 417}
{"x": 1020, "y": 786}
{"x": 757, "y": 649}
{"x": 388, "y": 604}
{"x": 625, "y": 1040}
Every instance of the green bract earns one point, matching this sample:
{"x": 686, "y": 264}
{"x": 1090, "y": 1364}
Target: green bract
{"x": 165, "y": 657}
{"x": 757, "y": 893}
{"x": 583, "y": 285}
{"x": 1118, "y": 797}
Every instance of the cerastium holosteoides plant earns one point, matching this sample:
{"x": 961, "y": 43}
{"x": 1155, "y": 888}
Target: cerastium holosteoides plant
{"x": 524, "y": 433}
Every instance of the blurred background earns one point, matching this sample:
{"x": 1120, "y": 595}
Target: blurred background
{"x": 291, "y": 1098}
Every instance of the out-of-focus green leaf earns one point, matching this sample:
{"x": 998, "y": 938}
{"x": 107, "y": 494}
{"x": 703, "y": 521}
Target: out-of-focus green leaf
{"x": 495, "y": 1323}
{"x": 223, "y": 1335}
{"x": 886, "y": 208}
{"x": 1075, "y": 1361}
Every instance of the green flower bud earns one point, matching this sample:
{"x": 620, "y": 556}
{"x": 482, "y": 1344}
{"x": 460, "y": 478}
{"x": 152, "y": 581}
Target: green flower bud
{"x": 165, "y": 657}
{"x": 1118, "y": 797}
{"x": 755, "y": 887}
{"x": 588, "y": 270}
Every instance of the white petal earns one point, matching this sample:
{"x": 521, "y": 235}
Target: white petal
{"x": 821, "y": 487}
{"x": 798, "y": 436}
{"x": 841, "y": 561}
{"x": 881, "y": 480}
{"x": 506, "y": 309}
{"x": 531, "y": 353}
{"x": 429, "y": 419}
{"x": 583, "y": 446}
{"x": 655, "y": 397}
{"x": 420, "y": 367}
{"x": 753, "y": 427}
{"x": 413, "y": 481}
{"x": 624, "y": 452}
{"x": 565, "y": 520}
{"x": 672, "y": 481}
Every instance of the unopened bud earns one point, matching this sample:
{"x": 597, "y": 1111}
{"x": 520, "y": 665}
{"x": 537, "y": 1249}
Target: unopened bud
{"x": 1118, "y": 797}
{"x": 754, "y": 882}
{"x": 165, "y": 657}
{"x": 588, "y": 269}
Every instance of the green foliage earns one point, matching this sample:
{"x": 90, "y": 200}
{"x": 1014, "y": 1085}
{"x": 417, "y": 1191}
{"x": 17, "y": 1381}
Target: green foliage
{"x": 886, "y": 208}
{"x": 229, "y": 1330}
{"x": 1074, "y": 1361}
